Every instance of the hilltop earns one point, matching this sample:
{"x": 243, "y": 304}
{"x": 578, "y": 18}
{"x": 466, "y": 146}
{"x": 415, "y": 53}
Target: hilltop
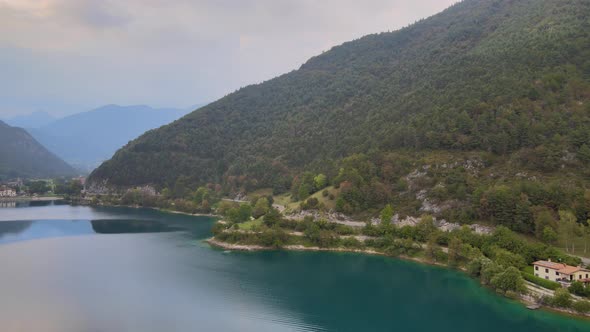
{"x": 22, "y": 156}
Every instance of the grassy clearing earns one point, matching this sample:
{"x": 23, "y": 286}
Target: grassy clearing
{"x": 250, "y": 225}
{"x": 329, "y": 204}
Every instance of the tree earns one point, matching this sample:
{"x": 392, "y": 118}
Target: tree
{"x": 245, "y": 212}
{"x": 180, "y": 187}
{"x": 568, "y": 228}
{"x": 304, "y": 191}
{"x": 433, "y": 250}
{"x": 584, "y": 153}
{"x": 274, "y": 237}
{"x": 201, "y": 194}
{"x": 455, "y": 251}
{"x": 549, "y": 235}
{"x": 509, "y": 280}
{"x": 272, "y": 217}
{"x": 320, "y": 181}
{"x": 386, "y": 214}
{"x": 75, "y": 187}
{"x": 489, "y": 269}
{"x": 581, "y": 306}
{"x": 577, "y": 288}
{"x": 205, "y": 206}
{"x": 38, "y": 187}
{"x": 261, "y": 208}
{"x": 562, "y": 298}
{"x": 474, "y": 266}
{"x": 506, "y": 258}
{"x": 543, "y": 219}
{"x": 425, "y": 228}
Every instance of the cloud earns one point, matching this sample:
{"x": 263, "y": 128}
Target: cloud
{"x": 84, "y": 53}
{"x": 99, "y": 14}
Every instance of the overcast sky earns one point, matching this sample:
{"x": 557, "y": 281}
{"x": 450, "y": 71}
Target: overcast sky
{"x": 65, "y": 56}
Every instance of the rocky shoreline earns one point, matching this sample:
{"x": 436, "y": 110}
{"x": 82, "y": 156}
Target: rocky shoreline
{"x": 30, "y": 199}
{"x": 525, "y": 299}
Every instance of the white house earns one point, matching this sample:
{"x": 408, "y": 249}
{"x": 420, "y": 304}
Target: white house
{"x": 7, "y": 192}
{"x": 560, "y": 272}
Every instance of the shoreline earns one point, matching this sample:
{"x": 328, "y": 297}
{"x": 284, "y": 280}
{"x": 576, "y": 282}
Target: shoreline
{"x": 31, "y": 199}
{"x": 253, "y": 247}
{"x": 523, "y": 299}
{"x": 211, "y": 215}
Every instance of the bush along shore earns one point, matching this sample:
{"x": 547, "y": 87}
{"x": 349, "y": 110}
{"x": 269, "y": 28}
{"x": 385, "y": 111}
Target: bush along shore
{"x": 501, "y": 260}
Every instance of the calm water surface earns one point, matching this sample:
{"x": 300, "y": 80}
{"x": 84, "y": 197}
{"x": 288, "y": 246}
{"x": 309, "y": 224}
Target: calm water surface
{"x": 79, "y": 269}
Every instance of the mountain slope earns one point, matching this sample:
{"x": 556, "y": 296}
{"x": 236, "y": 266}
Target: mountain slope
{"x": 502, "y": 76}
{"x": 22, "y": 156}
{"x": 86, "y": 139}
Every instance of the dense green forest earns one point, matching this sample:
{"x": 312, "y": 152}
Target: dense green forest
{"x": 479, "y": 113}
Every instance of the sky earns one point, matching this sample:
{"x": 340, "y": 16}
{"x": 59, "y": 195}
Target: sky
{"x": 69, "y": 56}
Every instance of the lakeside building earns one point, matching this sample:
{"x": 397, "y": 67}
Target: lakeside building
{"x": 7, "y": 192}
{"x": 560, "y": 272}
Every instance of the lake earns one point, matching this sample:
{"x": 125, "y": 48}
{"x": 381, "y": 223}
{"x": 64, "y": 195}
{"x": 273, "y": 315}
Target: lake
{"x": 83, "y": 269}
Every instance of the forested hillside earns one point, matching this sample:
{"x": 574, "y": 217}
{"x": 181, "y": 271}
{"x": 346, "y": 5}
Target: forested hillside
{"x": 481, "y": 112}
{"x": 22, "y": 156}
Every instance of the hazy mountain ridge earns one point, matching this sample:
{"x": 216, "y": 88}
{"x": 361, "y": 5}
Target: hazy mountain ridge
{"x": 22, "y": 156}
{"x": 88, "y": 138}
{"x": 33, "y": 120}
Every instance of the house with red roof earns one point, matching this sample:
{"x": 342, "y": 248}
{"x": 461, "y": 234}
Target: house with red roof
{"x": 560, "y": 272}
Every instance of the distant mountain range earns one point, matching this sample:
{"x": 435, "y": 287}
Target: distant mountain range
{"x": 86, "y": 139}
{"x": 33, "y": 120}
{"x": 22, "y": 156}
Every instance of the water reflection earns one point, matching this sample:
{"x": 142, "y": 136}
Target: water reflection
{"x": 132, "y": 226}
{"x": 21, "y": 230}
{"x": 14, "y": 227}
{"x": 7, "y": 204}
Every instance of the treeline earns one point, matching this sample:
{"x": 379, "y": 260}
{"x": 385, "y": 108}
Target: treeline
{"x": 203, "y": 199}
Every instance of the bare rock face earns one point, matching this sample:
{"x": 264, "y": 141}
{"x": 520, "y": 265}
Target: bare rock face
{"x": 441, "y": 224}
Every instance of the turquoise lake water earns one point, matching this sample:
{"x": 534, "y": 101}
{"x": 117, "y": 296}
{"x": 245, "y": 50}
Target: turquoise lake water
{"x": 78, "y": 269}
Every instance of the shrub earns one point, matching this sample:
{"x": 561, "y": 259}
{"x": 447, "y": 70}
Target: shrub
{"x": 581, "y": 306}
{"x": 218, "y": 228}
{"x": 577, "y": 288}
{"x": 474, "y": 267}
{"x": 541, "y": 282}
{"x": 343, "y": 229}
{"x": 274, "y": 237}
{"x": 562, "y": 298}
{"x": 351, "y": 242}
{"x": 489, "y": 270}
{"x": 506, "y": 258}
{"x": 509, "y": 280}
{"x": 312, "y": 203}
